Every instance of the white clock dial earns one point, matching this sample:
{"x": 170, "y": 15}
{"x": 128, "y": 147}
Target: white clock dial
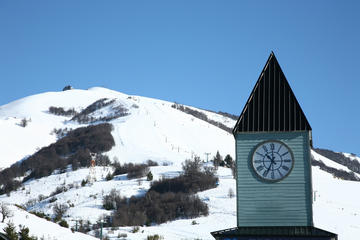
{"x": 272, "y": 160}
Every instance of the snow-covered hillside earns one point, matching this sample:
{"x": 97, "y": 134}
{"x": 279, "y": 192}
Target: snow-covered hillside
{"x": 42, "y": 228}
{"x": 154, "y": 130}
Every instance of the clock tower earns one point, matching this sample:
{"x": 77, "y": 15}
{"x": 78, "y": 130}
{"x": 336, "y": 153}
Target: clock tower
{"x": 273, "y": 164}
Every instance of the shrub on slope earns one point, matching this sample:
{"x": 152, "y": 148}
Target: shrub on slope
{"x": 338, "y": 173}
{"x": 61, "y": 111}
{"x": 75, "y": 148}
{"x": 158, "y": 208}
{"x": 201, "y": 115}
{"x": 340, "y": 158}
{"x": 85, "y": 116}
{"x": 167, "y": 199}
{"x": 192, "y": 181}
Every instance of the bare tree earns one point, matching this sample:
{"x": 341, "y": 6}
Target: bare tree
{"x": 5, "y": 211}
{"x": 192, "y": 167}
{"x": 59, "y": 211}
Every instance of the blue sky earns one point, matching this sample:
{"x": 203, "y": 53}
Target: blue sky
{"x": 207, "y": 54}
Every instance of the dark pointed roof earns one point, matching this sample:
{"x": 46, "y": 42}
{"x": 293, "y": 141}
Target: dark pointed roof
{"x": 272, "y": 105}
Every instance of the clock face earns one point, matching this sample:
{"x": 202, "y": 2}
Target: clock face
{"x": 272, "y": 160}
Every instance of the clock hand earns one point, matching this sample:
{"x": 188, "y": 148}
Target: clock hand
{"x": 273, "y": 158}
{"x": 268, "y": 169}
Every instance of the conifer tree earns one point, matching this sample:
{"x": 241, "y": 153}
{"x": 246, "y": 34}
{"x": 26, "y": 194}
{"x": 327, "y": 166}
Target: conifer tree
{"x": 149, "y": 176}
{"x": 217, "y": 160}
{"x": 24, "y": 233}
{"x": 229, "y": 161}
{"x": 10, "y": 231}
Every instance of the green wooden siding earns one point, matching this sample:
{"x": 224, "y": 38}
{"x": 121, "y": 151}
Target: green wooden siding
{"x": 284, "y": 203}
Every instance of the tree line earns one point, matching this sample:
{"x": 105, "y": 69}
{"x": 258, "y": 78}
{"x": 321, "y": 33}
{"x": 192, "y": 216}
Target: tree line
{"x": 340, "y": 158}
{"x": 201, "y": 115}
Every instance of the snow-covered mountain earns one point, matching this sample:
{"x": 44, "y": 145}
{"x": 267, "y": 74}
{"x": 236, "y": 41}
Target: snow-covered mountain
{"x": 144, "y": 129}
{"x": 152, "y": 130}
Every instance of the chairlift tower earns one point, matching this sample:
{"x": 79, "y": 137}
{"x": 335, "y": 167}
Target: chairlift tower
{"x": 207, "y": 157}
{"x": 92, "y": 170}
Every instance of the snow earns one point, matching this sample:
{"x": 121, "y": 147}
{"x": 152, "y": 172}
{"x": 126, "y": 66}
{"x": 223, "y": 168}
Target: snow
{"x": 41, "y": 228}
{"x": 336, "y": 206}
{"x": 156, "y": 131}
{"x": 178, "y": 136}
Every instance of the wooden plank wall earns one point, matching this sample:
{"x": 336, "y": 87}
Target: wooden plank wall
{"x": 284, "y": 203}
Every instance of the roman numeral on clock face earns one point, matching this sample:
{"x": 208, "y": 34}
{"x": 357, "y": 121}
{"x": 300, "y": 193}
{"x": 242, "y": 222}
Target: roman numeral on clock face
{"x": 260, "y": 154}
{"x": 265, "y": 148}
{"x": 285, "y": 168}
{"x": 272, "y": 146}
{"x": 259, "y": 168}
{"x": 284, "y": 153}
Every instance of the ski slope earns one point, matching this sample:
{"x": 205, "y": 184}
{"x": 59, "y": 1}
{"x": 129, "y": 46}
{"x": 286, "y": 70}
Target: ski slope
{"x": 153, "y": 130}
